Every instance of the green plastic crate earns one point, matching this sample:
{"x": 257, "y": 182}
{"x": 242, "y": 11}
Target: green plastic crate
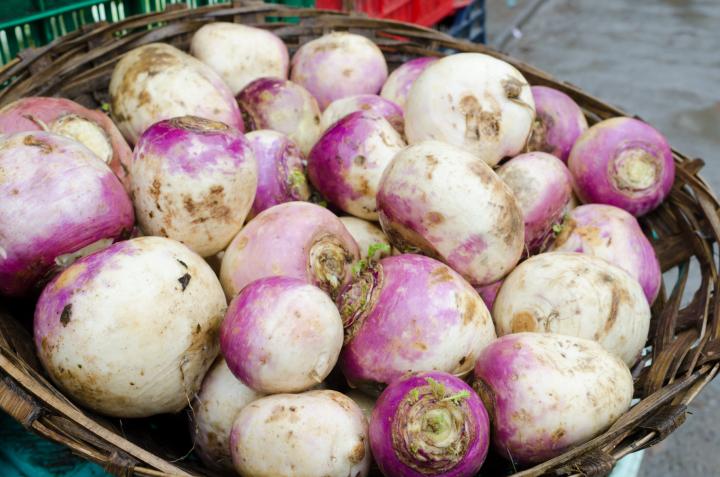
{"x": 25, "y": 24}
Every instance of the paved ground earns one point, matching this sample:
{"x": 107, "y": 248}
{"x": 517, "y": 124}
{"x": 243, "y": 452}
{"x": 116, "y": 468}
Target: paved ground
{"x": 660, "y": 60}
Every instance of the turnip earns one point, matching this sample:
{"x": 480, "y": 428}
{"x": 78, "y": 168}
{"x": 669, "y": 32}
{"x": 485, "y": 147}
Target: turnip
{"x": 473, "y": 101}
{"x": 59, "y": 200}
{"x": 220, "y": 399}
{"x": 410, "y": 313}
{"x": 547, "y": 393}
{"x": 338, "y": 65}
{"x": 543, "y": 188}
{"x": 613, "y": 234}
{"x": 575, "y": 294}
{"x": 67, "y": 118}
{"x": 281, "y": 174}
{"x": 131, "y": 330}
{"x": 157, "y": 81}
{"x": 347, "y": 162}
{"x": 445, "y": 202}
{"x": 240, "y": 54}
{"x": 295, "y": 239}
{"x": 488, "y": 293}
{"x": 193, "y": 180}
{"x": 429, "y": 423}
{"x": 283, "y": 106}
{"x": 316, "y": 433}
{"x": 369, "y": 103}
{"x": 398, "y": 84}
{"x": 367, "y": 235}
{"x": 559, "y": 121}
{"x": 281, "y": 335}
{"x": 622, "y": 162}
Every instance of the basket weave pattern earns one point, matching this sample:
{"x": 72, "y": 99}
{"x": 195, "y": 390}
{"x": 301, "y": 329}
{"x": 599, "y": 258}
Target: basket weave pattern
{"x": 684, "y": 341}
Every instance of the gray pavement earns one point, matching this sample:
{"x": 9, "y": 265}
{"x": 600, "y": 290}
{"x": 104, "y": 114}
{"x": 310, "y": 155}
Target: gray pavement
{"x": 661, "y": 61}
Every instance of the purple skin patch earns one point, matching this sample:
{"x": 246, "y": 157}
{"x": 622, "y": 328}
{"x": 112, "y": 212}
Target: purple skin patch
{"x": 338, "y": 150}
{"x": 396, "y": 331}
{"x": 489, "y": 292}
{"x": 411, "y": 399}
{"x": 614, "y": 235}
{"x": 398, "y": 84}
{"x": 281, "y": 175}
{"x": 497, "y": 366}
{"x": 558, "y": 124}
{"x": 622, "y": 162}
{"x": 53, "y": 307}
{"x": 44, "y": 215}
{"x": 242, "y": 339}
{"x": 194, "y": 146}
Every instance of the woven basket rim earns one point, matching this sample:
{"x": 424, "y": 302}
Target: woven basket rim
{"x": 685, "y": 340}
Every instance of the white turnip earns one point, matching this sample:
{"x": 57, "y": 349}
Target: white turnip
{"x": 157, "y": 81}
{"x": 301, "y": 435}
{"x": 547, "y": 393}
{"x": 240, "y": 54}
{"x": 193, "y": 180}
{"x": 131, "y": 330}
{"x": 338, "y": 65}
{"x": 281, "y": 335}
{"x": 575, "y": 294}
{"x": 473, "y": 101}
{"x": 424, "y": 206}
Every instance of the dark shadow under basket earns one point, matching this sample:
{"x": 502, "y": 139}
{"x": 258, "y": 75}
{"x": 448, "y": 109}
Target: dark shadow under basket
{"x": 684, "y": 341}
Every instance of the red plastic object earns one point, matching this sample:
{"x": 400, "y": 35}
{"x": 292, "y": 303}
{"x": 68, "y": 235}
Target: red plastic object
{"x": 420, "y": 12}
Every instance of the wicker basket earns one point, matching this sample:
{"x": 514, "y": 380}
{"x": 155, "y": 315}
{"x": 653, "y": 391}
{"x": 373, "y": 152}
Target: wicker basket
{"x": 684, "y": 342}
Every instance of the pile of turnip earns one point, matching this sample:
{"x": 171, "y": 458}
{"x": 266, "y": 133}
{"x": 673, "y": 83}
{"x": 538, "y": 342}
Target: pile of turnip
{"x": 402, "y": 274}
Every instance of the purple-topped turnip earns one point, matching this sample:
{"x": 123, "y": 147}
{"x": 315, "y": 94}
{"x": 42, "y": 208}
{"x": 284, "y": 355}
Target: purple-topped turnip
{"x": 281, "y": 174}
{"x": 429, "y": 424}
{"x": 310, "y": 434}
{"x": 423, "y": 207}
{"x": 473, "y": 101}
{"x": 58, "y": 198}
{"x": 295, "y": 239}
{"x": 338, "y": 65}
{"x": 397, "y": 86}
{"x": 547, "y": 393}
{"x": 157, "y": 81}
{"x": 281, "y": 335}
{"x": 559, "y": 122}
{"x": 622, "y": 162}
{"x": 543, "y": 188}
{"x": 67, "y": 118}
{"x": 575, "y": 294}
{"x": 348, "y": 160}
{"x": 370, "y": 104}
{"x": 367, "y": 235}
{"x": 240, "y": 54}
{"x": 221, "y": 398}
{"x": 613, "y": 234}
{"x": 410, "y": 313}
{"x": 193, "y": 180}
{"x": 131, "y": 330}
{"x": 283, "y": 106}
